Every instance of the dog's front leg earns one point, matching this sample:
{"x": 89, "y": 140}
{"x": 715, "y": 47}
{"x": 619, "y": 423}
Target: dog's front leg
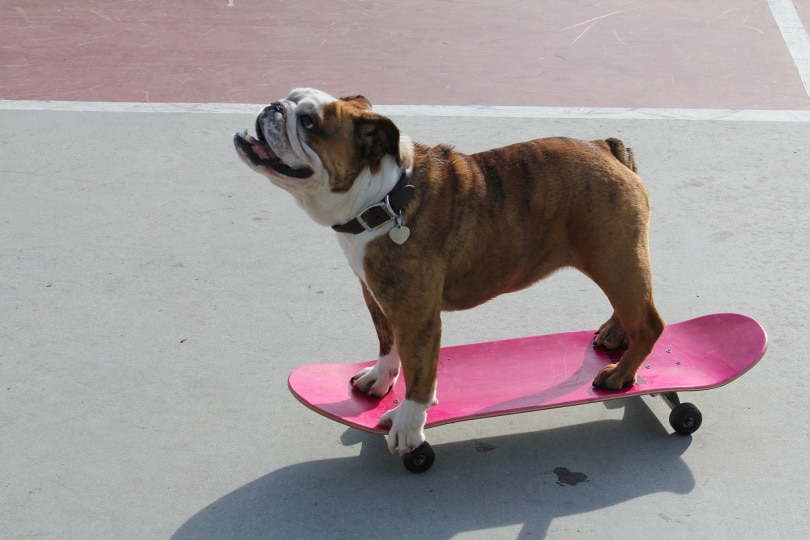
{"x": 378, "y": 379}
{"x": 419, "y": 351}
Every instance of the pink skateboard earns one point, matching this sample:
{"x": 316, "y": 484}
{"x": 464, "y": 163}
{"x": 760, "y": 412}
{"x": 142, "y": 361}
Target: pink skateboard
{"x": 543, "y": 372}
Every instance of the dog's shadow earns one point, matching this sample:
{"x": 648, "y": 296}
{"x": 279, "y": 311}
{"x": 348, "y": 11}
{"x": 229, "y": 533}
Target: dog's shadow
{"x": 525, "y": 480}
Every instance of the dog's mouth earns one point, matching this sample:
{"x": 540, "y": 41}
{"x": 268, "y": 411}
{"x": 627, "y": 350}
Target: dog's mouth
{"x": 256, "y": 151}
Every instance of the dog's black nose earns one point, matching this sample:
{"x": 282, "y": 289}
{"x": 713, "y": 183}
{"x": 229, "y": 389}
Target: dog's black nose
{"x": 274, "y": 107}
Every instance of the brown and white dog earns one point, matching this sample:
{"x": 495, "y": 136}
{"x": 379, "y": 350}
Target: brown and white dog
{"x": 431, "y": 229}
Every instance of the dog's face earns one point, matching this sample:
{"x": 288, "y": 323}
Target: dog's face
{"x": 315, "y": 146}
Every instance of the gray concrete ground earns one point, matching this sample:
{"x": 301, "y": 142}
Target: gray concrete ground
{"x": 156, "y": 293}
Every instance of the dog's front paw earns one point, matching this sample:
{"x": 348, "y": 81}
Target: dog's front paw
{"x": 378, "y": 379}
{"x": 407, "y": 423}
{"x": 611, "y": 378}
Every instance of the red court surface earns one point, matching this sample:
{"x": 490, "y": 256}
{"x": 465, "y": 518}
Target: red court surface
{"x": 729, "y": 54}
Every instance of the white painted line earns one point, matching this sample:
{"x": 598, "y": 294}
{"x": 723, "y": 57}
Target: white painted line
{"x": 447, "y": 111}
{"x": 602, "y": 113}
{"x": 116, "y": 106}
{"x": 795, "y": 36}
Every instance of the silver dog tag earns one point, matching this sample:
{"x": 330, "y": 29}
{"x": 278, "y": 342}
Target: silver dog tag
{"x": 399, "y": 234}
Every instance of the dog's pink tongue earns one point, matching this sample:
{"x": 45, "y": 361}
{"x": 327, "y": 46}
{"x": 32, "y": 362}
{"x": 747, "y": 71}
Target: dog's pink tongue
{"x": 262, "y": 150}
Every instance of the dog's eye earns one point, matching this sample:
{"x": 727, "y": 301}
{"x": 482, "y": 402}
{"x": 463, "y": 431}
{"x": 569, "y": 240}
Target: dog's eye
{"x": 306, "y": 121}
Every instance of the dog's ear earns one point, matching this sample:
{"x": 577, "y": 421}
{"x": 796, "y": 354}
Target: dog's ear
{"x": 358, "y": 101}
{"x": 377, "y": 136}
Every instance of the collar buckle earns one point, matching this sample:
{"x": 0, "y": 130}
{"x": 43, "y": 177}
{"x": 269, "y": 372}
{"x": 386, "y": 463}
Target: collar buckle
{"x": 385, "y": 206}
{"x": 389, "y": 209}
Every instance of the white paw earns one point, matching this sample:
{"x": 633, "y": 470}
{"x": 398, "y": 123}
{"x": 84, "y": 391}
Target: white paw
{"x": 378, "y": 379}
{"x": 407, "y": 423}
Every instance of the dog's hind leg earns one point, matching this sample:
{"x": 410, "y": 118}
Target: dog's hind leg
{"x": 378, "y": 379}
{"x": 630, "y": 293}
{"x": 611, "y": 334}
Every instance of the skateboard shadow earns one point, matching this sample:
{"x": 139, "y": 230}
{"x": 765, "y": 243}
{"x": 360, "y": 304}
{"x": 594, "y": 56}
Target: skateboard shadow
{"x": 525, "y": 480}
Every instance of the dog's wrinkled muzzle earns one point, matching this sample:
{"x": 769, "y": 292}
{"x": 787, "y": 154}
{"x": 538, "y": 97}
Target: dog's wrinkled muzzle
{"x": 257, "y": 153}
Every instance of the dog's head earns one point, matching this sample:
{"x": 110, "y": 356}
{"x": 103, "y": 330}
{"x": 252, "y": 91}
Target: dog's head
{"x": 331, "y": 154}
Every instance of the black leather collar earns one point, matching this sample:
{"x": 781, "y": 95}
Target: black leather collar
{"x": 377, "y": 215}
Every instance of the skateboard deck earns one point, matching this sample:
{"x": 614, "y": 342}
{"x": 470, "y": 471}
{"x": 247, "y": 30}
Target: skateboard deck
{"x": 543, "y": 372}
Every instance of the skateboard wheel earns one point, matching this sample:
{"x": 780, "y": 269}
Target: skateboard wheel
{"x": 420, "y": 459}
{"x": 685, "y": 418}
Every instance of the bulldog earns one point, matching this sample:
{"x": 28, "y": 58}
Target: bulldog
{"x": 431, "y": 229}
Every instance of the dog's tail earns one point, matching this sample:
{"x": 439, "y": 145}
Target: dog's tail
{"x": 622, "y": 153}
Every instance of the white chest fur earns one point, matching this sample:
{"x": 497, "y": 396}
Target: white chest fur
{"x": 367, "y": 190}
{"x": 354, "y": 248}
